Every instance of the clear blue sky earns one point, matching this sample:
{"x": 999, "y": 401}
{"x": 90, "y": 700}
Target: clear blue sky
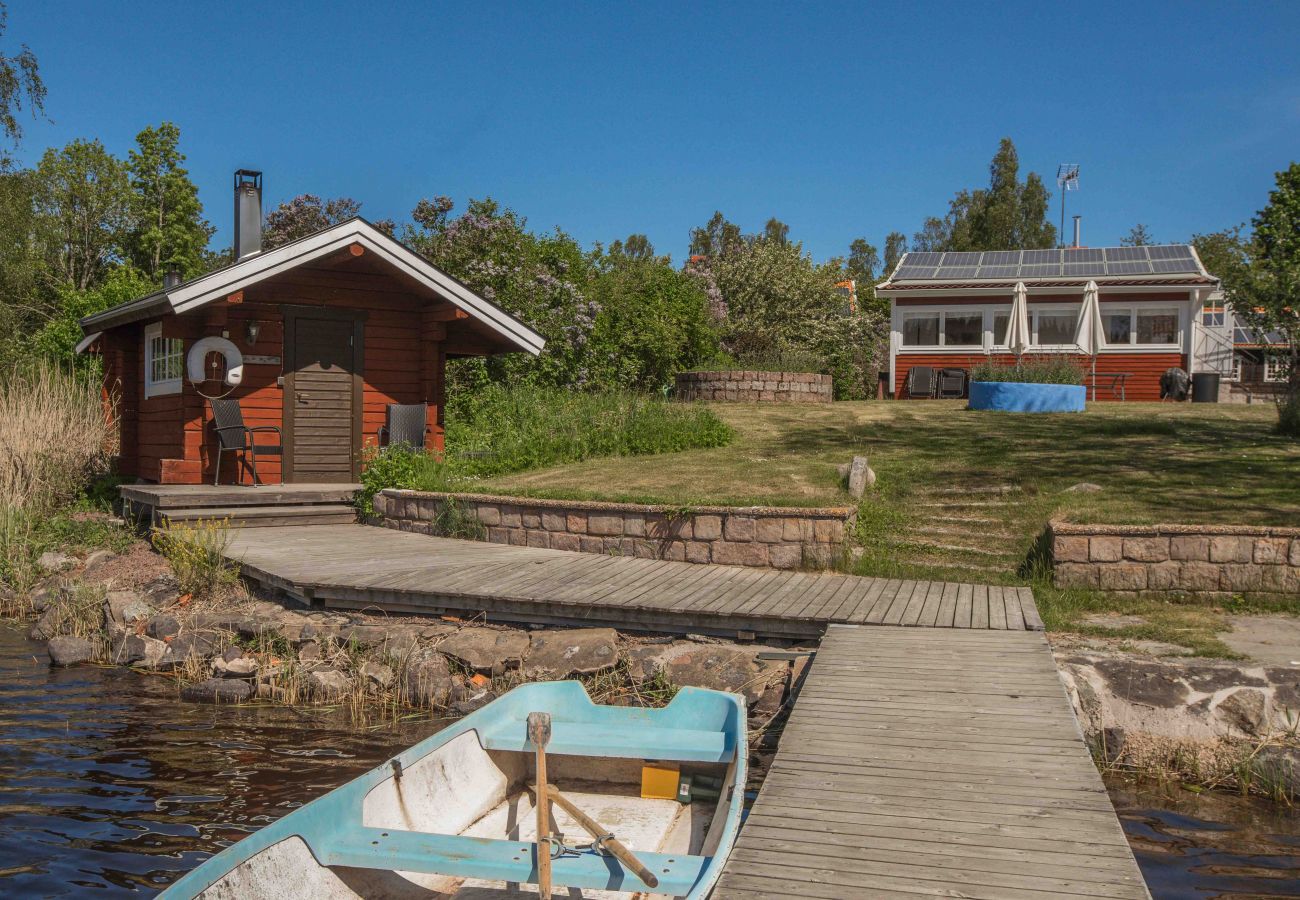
{"x": 843, "y": 120}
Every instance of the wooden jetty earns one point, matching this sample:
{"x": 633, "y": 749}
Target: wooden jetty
{"x": 357, "y": 566}
{"x": 935, "y": 764}
{"x": 941, "y": 759}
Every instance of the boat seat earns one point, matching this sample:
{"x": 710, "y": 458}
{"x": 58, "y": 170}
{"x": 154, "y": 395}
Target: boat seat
{"x": 582, "y": 739}
{"x": 497, "y": 860}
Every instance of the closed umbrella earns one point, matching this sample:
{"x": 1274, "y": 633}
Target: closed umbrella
{"x": 1089, "y": 332}
{"x": 1018, "y": 328}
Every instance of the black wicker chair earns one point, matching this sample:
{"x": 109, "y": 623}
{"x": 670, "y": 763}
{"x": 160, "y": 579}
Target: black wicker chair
{"x": 952, "y": 384}
{"x": 408, "y": 423}
{"x": 235, "y": 437}
{"x": 921, "y": 382}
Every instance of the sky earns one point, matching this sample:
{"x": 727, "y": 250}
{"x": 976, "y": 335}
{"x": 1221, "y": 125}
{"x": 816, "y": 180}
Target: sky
{"x": 842, "y": 120}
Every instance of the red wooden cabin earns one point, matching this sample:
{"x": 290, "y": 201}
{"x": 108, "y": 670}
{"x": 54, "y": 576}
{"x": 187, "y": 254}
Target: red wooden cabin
{"x": 331, "y": 329}
{"x": 950, "y": 310}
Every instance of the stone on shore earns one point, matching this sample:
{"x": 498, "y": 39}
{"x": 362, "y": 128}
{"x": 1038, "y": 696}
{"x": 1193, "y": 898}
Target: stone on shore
{"x": 486, "y": 649}
{"x": 141, "y": 651}
{"x": 328, "y": 684}
{"x": 377, "y": 675}
{"x": 69, "y": 650}
{"x": 96, "y": 563}
{"x": 427, "y": 681}
{"x": 162, "y": 627}
{"x": 564, "y": 652}
{"x": 125, "y": 607}
{"x": 1244, "y": 710}
{"x": 54, "y": 561}
{"x": 234, "y": 665}
{"x": 46, "y": 595}
{"x": 217, "y": 690}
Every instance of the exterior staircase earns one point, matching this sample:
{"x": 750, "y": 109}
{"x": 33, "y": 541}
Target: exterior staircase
{"x": 963, "y": 529}
{"x": 242, "y": 506}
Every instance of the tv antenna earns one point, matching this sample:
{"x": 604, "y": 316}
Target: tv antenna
{"x": 1067, "y": 179}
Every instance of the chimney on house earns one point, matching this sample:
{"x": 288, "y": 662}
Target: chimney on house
{"x": 248, "y": 213}
{"x": 1077, "y": 231}
{"x": 171, "y": 278}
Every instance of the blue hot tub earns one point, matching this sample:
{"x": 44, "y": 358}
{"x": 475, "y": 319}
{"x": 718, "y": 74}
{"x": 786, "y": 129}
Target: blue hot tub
{"x": 1017, "y": 396}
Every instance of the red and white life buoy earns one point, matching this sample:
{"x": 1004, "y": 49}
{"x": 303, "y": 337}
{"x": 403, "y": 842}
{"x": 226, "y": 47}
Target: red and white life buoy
{"x": 195, "y": 362}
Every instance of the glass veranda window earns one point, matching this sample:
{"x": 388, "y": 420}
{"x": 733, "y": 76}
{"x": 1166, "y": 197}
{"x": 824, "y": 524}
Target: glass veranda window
{"x": 921, "y": 330}
{"x": 963, "y": 329}
{"x": 1054, "y": 328}
{"x": 1157, "y": 326}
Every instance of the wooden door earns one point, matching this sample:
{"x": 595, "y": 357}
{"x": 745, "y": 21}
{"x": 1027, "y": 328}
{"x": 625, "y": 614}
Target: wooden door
{"x": 322, "y": 396}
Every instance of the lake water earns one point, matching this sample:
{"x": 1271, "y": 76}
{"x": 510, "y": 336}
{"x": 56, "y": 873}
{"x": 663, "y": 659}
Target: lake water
{"x": 109, "y": 786}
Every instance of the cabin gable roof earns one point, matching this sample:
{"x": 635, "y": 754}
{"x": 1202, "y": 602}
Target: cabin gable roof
{"x": 252, "y": 269}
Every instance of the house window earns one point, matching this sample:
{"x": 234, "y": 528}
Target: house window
{"x": 1001, "y": 321}
{"x": 1157, "y": 326}
{"x": 921, "y": 329}
{"x": 1273, "y": 369}
{"x": 163, "y": 362}
{"x": 1054, "y": 328}
{"x": 1119, "y": 327}
{"x": 964, "y": 329}
{"x": 1212, "y": 317}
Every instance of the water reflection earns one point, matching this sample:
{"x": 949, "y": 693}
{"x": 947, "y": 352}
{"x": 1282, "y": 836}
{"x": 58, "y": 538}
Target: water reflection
{"x": 1209, "y": 845}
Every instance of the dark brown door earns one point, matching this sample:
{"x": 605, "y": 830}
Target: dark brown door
{"x": 322, "y": 406}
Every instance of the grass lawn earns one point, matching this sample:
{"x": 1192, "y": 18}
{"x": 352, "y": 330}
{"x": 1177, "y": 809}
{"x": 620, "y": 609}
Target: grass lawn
{"x": 1176, "y": 463}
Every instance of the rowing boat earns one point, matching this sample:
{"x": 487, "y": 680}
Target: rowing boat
{"x": 456, "y": 815}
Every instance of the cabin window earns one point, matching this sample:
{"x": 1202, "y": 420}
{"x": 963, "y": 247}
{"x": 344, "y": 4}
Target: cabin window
{"x": 1119, "y": 327}
{"x": 163, "y": 362}
{"x": 963, "y": 329}
{"x": 1001, "y": 322}
{"x": 921, "y": 329}
{"x": 1053, "y": 328}
{"x": 1157, "y": 326}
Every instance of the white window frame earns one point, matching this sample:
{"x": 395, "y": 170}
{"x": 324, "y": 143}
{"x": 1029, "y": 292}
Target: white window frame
{"x": 164, "y": 386}
{"x": 1133, "y": 310}
{"x": 942, "y": 312}
{"x": 916, "y": 314}
{"x": 1273, "y": 368}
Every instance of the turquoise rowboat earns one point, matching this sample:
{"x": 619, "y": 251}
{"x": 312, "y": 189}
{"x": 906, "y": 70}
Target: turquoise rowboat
{"x": 453, "y": 816}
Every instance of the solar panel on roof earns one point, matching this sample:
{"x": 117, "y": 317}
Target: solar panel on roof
{"x": 999, "y": 271}
{"x": 964, "y": 258}
{"x": 1000, "y": 258}
{"x": 957, "y": 271}
{"x": 1083, "y": 255}
{"x": 1165, "y": 266}
{"x": 924, "y": 258}
{"x": 1040, "y": 257}
{"x": 1085, "y": 269}
{"x": 1125, "y": 254}
{"x": 915, "y": 272}
{"x": 1040, "y": 271}
{"x": 1133, "y": 267}
{"x": 1178, "y": 251}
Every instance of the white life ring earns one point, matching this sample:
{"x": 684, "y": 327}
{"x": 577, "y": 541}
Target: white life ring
{"x": 199, "y": 352}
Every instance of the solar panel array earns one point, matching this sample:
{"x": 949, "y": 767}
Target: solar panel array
{"x": 1071, "y": 262}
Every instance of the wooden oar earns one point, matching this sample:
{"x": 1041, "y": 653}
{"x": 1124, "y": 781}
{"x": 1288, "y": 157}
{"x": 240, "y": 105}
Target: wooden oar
{"x": 539, "y": 732}
{"x": 599, "y": 832}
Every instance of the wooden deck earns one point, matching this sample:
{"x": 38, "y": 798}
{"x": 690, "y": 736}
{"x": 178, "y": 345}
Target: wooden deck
{"x": 918, "y": 763}
{"x": 359, "y": 566}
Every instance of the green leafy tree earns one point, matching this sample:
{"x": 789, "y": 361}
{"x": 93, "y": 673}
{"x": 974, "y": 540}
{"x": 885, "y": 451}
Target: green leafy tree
{"x": 82, "y": 200}
{"x": 169, "y": 231}
{"x": 1267, "y": 293}
{"x": 862, "y": 261}
{"x": 303, "y": 215}
{"x": 895, "y": 247}
{"x": 59, "y": 336}
{"x": 1138, "y": 236}
{"x": 25, "y": 295}
{"x": 776, "y": 231}
{"x": 20, "y": 82}
{"x": 1009, "y": 214}
{"x": 1225, "y": 255}
{"x": 717, "y": 238}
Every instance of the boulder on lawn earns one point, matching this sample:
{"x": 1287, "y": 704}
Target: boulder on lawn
{"x": 217, "y": 690}
{"x": 568, "y": 651}
{"x": 861, "y": 476}
{"x": 486, "y": 649}
{"x": 69, "y": 650}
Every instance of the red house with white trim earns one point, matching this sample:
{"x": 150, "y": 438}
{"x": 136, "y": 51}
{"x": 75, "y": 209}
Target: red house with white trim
{"x": 951, "y": 309}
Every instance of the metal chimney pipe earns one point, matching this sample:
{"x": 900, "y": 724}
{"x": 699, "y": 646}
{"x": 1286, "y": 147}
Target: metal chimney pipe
{"x": 1077, "y": 229}
{"x": 171, "y": 278}
{"x": 248, "y": 213}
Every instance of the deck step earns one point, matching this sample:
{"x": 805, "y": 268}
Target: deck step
{"x": 267, "y": 516}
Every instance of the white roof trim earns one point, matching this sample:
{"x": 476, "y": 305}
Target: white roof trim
{"x": 84, "y": 344}
{"x": 253, "y": 269}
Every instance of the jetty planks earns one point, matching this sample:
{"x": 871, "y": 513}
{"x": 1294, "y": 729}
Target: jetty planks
{"x": 918, "y": 763}
{"x": 354, "y": 566}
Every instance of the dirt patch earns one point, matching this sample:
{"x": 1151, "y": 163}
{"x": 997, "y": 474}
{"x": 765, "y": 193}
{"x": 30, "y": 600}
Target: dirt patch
{"x": 1274, "y": 640}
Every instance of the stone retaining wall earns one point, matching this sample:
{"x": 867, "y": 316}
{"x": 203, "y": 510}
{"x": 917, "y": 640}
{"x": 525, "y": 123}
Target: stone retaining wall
{"x": 1159, "y": 560}
{"x": 761, "y": 387}
{"x": 739, "y": 536}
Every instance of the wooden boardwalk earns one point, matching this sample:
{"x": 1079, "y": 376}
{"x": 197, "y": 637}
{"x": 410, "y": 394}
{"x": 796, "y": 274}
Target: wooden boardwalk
{"x": 358, "y": 566}
{"x": 928, "y": 764}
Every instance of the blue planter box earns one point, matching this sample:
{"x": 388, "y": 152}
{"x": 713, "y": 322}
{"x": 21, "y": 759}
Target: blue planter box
{"x": 1017, "y": 396}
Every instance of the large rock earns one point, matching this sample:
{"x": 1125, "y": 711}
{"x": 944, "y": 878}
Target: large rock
{"x": 126, "y": 607}
{"x": 163, "y": 627}
{"x": 96, "y": 563}
{"x": 1142, "y": 682}
{"x": 190, "y": 645}
{"x": 427, "y": 681}
{"x": 328, "y": 684}
{"x": 46, "y": 596}
{"x": 69, "y": 650}
{"x": 240, "y": 666}
{"x": 1244, "y": 710}
{"x": 565, "y": 652}
{"x": 217, "y": 690}
{"x": 861, "y": 477}
{"x": 47, "y": 626}
{"x": 720, "y": 668}
{"x": 142, "y": 651}
{"x": 486, "y": 649}
{"x": 377, "y": 675}
{"x": 54, "y": 561}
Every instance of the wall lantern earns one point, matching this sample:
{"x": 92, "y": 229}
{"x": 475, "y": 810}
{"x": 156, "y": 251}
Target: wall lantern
{"x": 254, "y": 328}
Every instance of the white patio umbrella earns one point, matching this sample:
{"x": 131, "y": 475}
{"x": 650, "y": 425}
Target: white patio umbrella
{"x": 1089, "y": 332}
{"x": 1018, "y": 338}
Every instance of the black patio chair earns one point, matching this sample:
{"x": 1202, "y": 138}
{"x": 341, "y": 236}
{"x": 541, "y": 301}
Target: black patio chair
{"x": 408, "y": 423}
{"x": 920, "y": 382}
{"x": 235, "y": 437}
{"x": 952, "y": 384}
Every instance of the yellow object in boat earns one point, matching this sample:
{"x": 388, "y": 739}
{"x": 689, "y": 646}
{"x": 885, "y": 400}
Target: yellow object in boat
{"x": 659, "y": 782}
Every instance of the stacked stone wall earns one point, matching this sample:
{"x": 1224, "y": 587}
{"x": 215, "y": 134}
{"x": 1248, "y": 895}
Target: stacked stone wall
{"x": 771, "y": 537}
{"x": 755, "y": 387}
